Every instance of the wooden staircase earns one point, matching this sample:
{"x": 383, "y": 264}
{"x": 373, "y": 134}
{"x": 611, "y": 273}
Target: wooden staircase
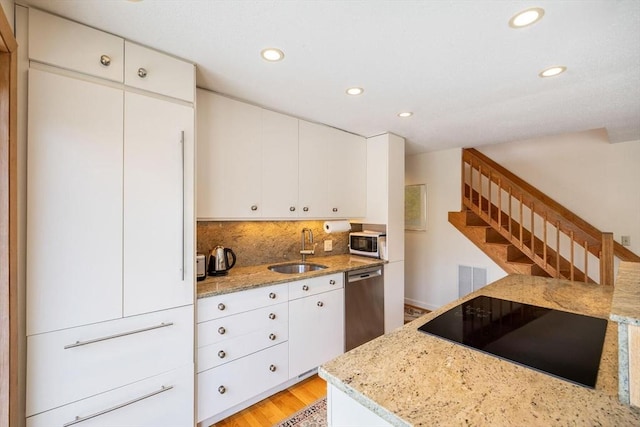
{"x": 525, "y": 231}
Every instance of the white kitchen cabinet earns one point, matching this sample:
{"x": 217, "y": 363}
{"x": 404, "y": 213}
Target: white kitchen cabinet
{"x": 67, "y": 44}
{"x": 238, "y": 302}
{"x": 312, "y": 178}
{"x": 279, "y": 182}
{"x": 74, "y": 197}
{"x": 347, "y": 175}
{"x": 231, "y": 384}
{"x": 343, "y": 410}
{"x": 158, "y": 159}
{"x": 316, "y": 330}
{"x": 156, "y": 72}
{"x": 229, "y": 158}
{"x": 164, "y": 400}
{"x": 93, "y": 359}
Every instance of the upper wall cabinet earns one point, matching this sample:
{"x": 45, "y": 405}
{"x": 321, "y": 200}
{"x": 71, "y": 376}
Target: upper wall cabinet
{"x": 67, "y": 44}
{"x": 256, "y": 163}
{"x": 154, "y": 71}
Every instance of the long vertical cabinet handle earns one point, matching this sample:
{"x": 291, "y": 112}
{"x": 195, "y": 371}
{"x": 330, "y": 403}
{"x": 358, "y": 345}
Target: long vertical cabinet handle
{"x": 114, "y": 408}
{"x": 182, "y": 163}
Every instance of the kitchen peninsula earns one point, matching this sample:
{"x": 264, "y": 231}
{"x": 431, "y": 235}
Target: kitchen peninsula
{"x": 408, "y": 378}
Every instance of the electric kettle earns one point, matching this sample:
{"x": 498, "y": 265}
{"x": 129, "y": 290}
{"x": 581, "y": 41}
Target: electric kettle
{"x": 219, "y": 264}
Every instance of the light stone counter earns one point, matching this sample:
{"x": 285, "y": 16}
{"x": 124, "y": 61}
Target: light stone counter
{"x": 243, "y": 278}
{"x": 412, "y": 379}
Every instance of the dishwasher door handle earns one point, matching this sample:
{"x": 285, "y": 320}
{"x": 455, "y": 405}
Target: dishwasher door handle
{"x": 355, "y": 276}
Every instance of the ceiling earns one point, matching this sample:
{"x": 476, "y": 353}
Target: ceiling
{"x": 466, "y": 75}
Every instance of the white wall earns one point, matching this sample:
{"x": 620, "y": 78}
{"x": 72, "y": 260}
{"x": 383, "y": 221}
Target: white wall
{"x": 584, "y": 172}
{"x": 432, "y": 257}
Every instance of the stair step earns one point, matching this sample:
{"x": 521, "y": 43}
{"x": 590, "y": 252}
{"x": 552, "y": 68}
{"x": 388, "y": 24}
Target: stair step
{"x": 494, "y": 237}
{"x": 525, "y": 260}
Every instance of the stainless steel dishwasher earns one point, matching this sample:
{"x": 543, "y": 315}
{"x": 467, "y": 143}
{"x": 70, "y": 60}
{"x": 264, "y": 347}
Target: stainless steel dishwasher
{"x": 364, "y": 306}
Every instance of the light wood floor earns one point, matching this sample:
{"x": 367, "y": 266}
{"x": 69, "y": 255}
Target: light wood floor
{"x": 278, "y": 407}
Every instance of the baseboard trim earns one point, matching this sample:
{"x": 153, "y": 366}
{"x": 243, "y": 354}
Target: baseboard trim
{"x": 420, "y": 304}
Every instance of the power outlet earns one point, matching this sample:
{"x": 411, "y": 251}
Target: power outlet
{"x": 328, "y": 245}
{"x": 625, "y": 240}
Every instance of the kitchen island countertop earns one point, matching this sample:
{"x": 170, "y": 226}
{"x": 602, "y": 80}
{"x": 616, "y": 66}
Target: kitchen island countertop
{"x": 243, "y": 278}
{"x": 412, "y": 379}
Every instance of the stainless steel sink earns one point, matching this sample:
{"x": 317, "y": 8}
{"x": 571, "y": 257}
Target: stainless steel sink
{"x": 296, "y": 267}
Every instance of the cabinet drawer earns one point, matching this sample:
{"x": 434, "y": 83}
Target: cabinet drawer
{"x": 66, "y": 44}
{"x": 157, "y": 72}
{"x": 228, "y": 385}
{"x": 235, "y": 348}
{"x": 162, "y": 400}
{"x": 316, "y": 285}
{"x": 231, "y": 327}
{"x": 238, "y": 302}
{"x": 71, "y": 364}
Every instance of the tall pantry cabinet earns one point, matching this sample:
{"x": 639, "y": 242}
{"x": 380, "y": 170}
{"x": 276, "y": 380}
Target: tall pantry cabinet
{"x": 110, "y": 228}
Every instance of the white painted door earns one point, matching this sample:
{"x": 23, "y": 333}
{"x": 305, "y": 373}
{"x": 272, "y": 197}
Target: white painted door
{"x": 279, "y": 136}
{"x": 157, "y": 137}
{"x": 312, "y": 167}
{"x": 316, "y": 330}
{"x": 74, "y": 203}
{"x": 229, "y": 158}
{"x": 347, "y": 175}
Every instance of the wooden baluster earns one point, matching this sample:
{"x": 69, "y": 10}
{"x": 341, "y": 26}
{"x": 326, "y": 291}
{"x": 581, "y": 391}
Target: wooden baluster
{"x": 533, "y": 234}
{"x": 544, "y": 240}
{"x": 463, "y": 178}
{"x": 586, "y": 261}
{"x": 520, "y": 220}
{"x": 500, "y": 204}
{"x": 489, "y": 197}
{"x": 510, "y": 216}
{"x": 558, "y": 249}
{"x": 606, "y": 260}
{"x": 571, "y": 266}
{"x": 471, "y": 184}
{"x": 480, "y": 190}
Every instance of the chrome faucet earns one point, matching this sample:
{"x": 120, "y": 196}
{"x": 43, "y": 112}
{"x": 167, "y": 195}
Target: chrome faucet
{"x": 304, "y": 252}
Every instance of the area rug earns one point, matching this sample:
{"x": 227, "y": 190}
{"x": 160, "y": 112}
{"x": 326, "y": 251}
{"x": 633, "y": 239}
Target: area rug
{"x": 314, "y": 415}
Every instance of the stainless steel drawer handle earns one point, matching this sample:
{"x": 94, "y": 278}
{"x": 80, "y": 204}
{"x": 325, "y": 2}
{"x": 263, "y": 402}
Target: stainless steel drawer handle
{"x": 320, "y": 304}
{"x": 292, "y": 209}
{"x": 332, "y": 282}
{"x": 142, "y": 73}
{"x": 306, "y": 209}
{"x": 221, "y": 306}
{"x": 122, "y": 405}
{"x": 105, "y": 60}
{"x": 254, "y": 208}
{"x": 272, "y": 316}
{"x": 222, "y": 354}
{"x": 272, "y": 337}
{"x": 335, "y": 209}
{"x": 272, "y": 368}
{"x": 305, "y": 287}
{"x": 222, "y": 389}
{"x": 222, "y": 330}
{"x": 272, "y": 295}
{"x": 110, "y": 337}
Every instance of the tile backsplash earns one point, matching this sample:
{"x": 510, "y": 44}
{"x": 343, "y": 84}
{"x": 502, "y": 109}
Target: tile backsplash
{"x": 265, "y": 242}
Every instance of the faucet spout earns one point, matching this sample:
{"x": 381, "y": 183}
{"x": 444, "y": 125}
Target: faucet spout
{"x": 303, "y": 251}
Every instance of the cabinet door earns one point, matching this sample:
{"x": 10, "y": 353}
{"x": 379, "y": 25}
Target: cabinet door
{"x": 157, "y": 140}
{"x": 316, "y": 330}
{"x": 74, "y": 198}
{"x": 157, "y": 72}
{"x": 279, "y": 135}
{"x": 312, "y": 160}
{"x": 66, "y": 44}
{"x": 229, "y": 158}
{"x": 347, "y": 175}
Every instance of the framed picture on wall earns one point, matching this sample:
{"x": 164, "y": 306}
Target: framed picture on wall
{"x": 415, "y": 207}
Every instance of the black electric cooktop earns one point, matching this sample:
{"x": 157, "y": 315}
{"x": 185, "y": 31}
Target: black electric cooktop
{"x": 565, "y": 345}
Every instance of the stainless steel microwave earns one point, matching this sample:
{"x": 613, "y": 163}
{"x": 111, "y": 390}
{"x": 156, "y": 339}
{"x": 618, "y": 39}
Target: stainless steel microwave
{"x": 368, "y": 243}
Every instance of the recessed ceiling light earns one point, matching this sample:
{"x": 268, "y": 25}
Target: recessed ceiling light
{"x": 272, "y": 54}
{"x": 355, "y": 91}
{"x": 553, "y": 71}
{"x": 405, "y": 114}
{"x": 526, "y": 17}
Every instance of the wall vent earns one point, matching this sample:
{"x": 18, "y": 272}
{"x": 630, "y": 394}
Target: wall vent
{"x": 470, "y": 279}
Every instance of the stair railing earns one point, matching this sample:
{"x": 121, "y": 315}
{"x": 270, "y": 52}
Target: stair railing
{"x": 556, "y": 239}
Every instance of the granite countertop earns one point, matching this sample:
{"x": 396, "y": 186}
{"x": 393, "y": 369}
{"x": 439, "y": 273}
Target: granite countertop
{"x": 412, "y": 379}
{"x": 625, "y": 307}
{"x": 243, "y": 278}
